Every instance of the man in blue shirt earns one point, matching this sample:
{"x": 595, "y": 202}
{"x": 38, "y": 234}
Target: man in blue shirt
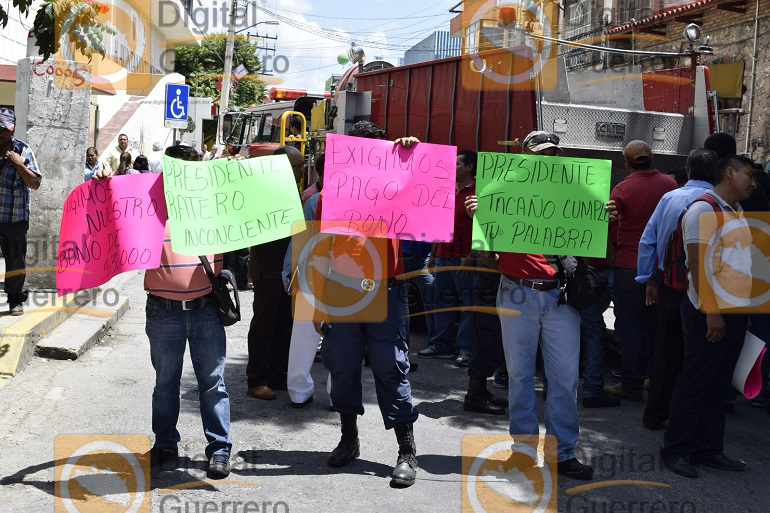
{"x": 18, "y": 174}
{"x": 668, "y": 353}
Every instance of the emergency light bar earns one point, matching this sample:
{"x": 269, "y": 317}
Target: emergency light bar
{"x": 293, "y": 94}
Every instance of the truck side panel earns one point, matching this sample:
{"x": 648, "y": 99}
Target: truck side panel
{"x": 440, "y": 110}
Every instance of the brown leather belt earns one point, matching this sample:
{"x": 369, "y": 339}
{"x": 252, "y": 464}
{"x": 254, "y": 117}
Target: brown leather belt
{"x": 540, "y": 286}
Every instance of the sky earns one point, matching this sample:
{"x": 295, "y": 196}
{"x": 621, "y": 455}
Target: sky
{"x": 312, "y": 33}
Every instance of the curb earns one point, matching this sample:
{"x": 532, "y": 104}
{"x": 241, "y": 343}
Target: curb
{"x": 78, "y": 334}
{"x": 18, "y": 341}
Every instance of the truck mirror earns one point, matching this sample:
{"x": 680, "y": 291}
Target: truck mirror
{"x": 229, "y": 121}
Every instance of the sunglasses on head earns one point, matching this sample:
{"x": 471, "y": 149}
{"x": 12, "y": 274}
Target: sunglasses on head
{"x": 543, "y": 138}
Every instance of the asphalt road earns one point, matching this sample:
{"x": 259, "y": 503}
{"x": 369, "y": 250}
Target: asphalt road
{"x": 280, "y": 452}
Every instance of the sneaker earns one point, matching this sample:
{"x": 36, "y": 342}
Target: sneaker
{"x": 501, "y": 380}
{"x": 463, "y": 358}
{"x": 434, "y": 352}
{"x": 219, "y": 466}
{"x": 17, "y": 309}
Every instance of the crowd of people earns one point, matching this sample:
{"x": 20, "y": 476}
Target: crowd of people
{"x": 679, "y": 344}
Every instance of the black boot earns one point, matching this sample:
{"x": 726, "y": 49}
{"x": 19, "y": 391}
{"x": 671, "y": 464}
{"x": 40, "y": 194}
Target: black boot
{"x": 406, "y": 467}
{"x": 348, "y": 449}
{"x": 481, "y": 400}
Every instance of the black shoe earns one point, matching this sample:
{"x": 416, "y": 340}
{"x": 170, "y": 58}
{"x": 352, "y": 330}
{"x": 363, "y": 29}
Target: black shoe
{"x": 163, "y": 460}
{"x": 481, "y": 404}
{"x": 302, "y": 404}
{"x": 680, "y": 465}
{"x": 405, "y": 471}
{"x": 603, "y": 400}
{"x": 722, "y": 462}
{"x": 576, "y": 470}
{"x": 480, "y": 399}
{"x": 349, "y": 448}
{"x": 344, "y": 453}
{"x": 621, "y": 392}
{"x": 653, "y": 425}
{"x": 219, "y": 466}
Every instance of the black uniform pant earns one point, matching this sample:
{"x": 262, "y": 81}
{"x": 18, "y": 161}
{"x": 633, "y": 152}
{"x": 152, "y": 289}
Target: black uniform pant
{"x": 696, "y": 421}
{"x": 13, "y": 244}
{"x": 667, "y": 356}
{"x": 269, "y": 334}
{"x": 487, "y": 353}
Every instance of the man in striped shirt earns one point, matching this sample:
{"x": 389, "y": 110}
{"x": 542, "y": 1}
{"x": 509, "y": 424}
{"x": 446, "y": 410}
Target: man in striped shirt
{"x": 179, "y": 311}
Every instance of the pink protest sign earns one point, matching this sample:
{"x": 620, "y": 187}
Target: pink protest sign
{"x": 110, "y": 227}
{"x": 383, "y": 190}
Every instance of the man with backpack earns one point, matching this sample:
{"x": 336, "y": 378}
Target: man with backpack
{"x": 713, "y": 336}
{"x": 666, "y": 361}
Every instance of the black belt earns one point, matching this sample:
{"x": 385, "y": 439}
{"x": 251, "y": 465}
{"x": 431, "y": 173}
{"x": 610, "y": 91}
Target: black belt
{"x": 541, "y": 286}
{"x": 179, "y": 304}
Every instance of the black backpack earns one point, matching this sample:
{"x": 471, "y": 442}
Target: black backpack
{"x": 585, "y": 287}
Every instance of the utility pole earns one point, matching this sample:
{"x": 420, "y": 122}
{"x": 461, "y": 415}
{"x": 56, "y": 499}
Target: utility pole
{"x": 228, "y": 71}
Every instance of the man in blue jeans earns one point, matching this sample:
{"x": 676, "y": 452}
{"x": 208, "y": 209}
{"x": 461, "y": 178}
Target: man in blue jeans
{"x": 179, "y": 311}
{"x": 454, "y": 286}
{"x": 531, "y": 285}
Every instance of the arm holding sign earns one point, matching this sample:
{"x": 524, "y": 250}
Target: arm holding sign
{"x": 103, "y": 174}
{"x": 407, "y": 142}
{"x": 471, "y": 204}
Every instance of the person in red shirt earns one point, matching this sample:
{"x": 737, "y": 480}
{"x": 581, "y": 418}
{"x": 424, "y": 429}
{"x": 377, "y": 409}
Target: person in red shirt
{"x": 452, "y": 286}
{"x": 531, "y": 285}
{"x": 635, "y": 198}
{"x": 345, "y": 344}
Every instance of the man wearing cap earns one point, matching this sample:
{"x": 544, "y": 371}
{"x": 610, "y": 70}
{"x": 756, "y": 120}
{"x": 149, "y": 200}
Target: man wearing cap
{"x": 636, "y": 198}
{"x": 531, "y": 284}
{"x": 18, "y": 174}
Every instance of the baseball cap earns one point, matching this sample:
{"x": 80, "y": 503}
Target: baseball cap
{"x": 7, "y": 119}
{"x": 637, "y": 152}
{"x": 538, "y": 141}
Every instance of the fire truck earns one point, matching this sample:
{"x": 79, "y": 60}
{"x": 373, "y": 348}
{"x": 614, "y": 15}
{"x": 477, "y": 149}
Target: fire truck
{"x": 595, "y": 113}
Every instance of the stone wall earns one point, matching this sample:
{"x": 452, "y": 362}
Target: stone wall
{"x": 732, "y": 38}
{"x": 52, "y": 118}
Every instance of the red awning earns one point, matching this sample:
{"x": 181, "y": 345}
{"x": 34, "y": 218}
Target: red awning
{"x": 7, "y": 73}
{"x": 657, "y": 19}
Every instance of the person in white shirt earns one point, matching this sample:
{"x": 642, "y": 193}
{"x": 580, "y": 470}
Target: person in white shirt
{"x": 156, "y": 158}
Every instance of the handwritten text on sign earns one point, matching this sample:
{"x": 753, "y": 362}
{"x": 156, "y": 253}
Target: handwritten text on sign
{"x": 222, "y": 205}
{"x": 384, "y": 190}
{"x": 110, "y": 227}
{"x": 542, "y": 205}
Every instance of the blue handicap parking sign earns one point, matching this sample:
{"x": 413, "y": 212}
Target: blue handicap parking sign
{"x": 177, "y": 101}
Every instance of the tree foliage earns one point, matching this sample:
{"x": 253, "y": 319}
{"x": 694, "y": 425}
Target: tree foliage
{"x": 76, "y": 17}
{"x": 203, "y": 67}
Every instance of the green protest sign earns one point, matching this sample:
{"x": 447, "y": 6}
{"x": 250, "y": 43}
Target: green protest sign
{"x": 541, "y": 205}
{"x": 222, "y": 205}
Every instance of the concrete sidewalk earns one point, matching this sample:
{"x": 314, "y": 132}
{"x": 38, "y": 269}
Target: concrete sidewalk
{"x": 283, "y": 450}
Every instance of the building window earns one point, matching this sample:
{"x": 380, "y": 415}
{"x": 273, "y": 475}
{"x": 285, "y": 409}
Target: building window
{"x": 578, "y": 19}
{"x": 471, "y": 37}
